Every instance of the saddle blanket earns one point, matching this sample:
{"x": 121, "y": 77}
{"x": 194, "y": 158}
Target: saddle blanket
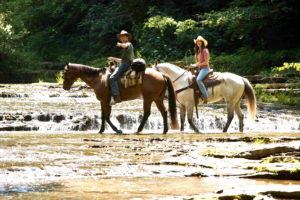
{"x": 128, "y": 79}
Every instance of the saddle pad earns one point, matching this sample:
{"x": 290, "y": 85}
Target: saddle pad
{"x": 127, "y": 80}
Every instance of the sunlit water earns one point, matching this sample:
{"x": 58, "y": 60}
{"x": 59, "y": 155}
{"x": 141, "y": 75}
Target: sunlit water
{"x": 57, "y": 152}
{"x": 47, "y": 107}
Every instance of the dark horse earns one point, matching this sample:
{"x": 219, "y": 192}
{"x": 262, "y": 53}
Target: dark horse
{"x": 153, "y": 88}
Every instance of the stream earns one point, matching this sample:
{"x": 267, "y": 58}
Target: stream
{"x": 50, "y": 149}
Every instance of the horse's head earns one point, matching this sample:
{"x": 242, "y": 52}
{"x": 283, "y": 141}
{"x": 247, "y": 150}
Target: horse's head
{"x": 69, "y": 77}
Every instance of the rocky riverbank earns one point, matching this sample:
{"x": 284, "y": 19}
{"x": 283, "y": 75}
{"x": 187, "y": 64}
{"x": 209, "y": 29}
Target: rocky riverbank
{"x": 149, "y": 166}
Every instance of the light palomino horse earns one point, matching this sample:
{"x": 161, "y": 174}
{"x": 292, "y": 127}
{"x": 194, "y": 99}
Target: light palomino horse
{"x": 231, "y": 90}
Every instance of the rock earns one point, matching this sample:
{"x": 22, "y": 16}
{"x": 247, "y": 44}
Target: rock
{"x": 279, "y": 175}
{"x": 11, "y": 118}
{"x": 126, "y": 121}
{"x": 54, "y": 95}
{"x": 219, "y": 191}
{"x": 219, "y": 122}
{"x": 283, "y": 194}
{"x": 18, "y": 128}
{"x": 262, "y": 153}
{"x": 85, "y": 123}
{"x": 58, "y": 118}
{"x": 44, "y": 117}
{"x": 9, "y": 95}
{"x": 196, "y": 174}
{"x": 27, "y": 118}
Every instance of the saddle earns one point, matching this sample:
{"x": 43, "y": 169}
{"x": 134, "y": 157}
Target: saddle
{"x": 210, "y": 80}
{"x": 132, "y": 76}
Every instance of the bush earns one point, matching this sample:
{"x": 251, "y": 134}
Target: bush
{"x": 248, "y": 61}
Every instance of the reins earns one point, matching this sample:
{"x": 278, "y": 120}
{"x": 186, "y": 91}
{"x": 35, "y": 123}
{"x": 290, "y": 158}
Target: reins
{"x": 179, "y": 76}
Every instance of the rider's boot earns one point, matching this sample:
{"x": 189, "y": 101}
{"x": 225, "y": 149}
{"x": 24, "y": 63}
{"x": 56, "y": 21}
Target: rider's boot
{"x": 115, "y": 99}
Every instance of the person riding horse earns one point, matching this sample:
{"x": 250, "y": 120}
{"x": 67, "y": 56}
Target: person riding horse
{"x": 126, "y": 59}
{"x": 202, "y": 59}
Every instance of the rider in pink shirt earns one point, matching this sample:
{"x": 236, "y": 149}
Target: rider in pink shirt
{"x": 202, "y": 62}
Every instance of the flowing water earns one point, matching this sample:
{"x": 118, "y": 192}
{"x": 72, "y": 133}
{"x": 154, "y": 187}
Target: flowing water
{"x": 49, "y": 149}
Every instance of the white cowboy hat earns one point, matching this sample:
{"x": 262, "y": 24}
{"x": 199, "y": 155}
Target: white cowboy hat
{"x": 200, "y": 38}
{"x": 123, "y": 32}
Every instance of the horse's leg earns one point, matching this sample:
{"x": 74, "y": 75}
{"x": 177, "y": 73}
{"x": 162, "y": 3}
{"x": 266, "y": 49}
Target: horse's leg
{"x": 102, "y": 120}
{"x": 161, "y": 107}
{"x": 240, "y": 115}
{"x": 190, "y": 113}
{"x": 147, "y": 111}
{"x": 182, "y": 116}
{"x": 229, "y": 117}
{"x": 107, "y": 111}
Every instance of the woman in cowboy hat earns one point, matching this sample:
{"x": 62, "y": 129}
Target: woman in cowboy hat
{"x": 125, "y": 60}
{"x": 202, "y": 62}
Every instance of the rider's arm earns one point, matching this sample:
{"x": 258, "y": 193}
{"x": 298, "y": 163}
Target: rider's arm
{"x": 115, "y": 59}
{"x": 123, "y": 45}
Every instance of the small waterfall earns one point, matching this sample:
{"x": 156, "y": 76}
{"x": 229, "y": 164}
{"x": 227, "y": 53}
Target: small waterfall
{"x": 46, "y": 107}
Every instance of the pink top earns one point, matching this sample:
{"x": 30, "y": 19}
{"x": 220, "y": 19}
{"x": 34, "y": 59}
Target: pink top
{"x": 201, "y": 57}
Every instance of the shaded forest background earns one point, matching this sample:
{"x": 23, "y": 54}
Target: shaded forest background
{"x": 244, "y": 37}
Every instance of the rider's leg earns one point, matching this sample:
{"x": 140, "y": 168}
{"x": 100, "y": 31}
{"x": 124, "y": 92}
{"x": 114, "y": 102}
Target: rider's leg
{"x": 113, "y": 80}
{"x": 203, "y": 72}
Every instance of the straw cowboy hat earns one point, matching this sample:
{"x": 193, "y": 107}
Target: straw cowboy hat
{"x": 123, "y": 32}
{"x": 200, "y": 38}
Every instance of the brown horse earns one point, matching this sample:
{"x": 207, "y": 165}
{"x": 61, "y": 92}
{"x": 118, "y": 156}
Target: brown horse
{"x": 153, "y": 88}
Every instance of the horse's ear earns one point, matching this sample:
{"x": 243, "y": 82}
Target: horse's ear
{"x": 67, "y": 66}
{"x": 155, "y": 65}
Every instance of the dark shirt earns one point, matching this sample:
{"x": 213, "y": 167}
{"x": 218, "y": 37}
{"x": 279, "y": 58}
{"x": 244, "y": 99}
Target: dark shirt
{"x": 127, "y": 54}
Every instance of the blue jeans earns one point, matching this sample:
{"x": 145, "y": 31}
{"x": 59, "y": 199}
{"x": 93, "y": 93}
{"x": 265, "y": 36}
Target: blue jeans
{"x": 113, "y": 79}
{"x": 203, "y": 72}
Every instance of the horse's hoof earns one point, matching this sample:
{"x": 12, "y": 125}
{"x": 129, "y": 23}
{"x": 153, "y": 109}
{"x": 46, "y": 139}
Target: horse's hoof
{"x": 119, "y": 131}
{"x": 100, "y": 132}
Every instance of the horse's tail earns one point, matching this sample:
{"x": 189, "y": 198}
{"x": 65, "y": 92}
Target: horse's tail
{"x": 172, "y": 103}
{"x": 250, "y": 99}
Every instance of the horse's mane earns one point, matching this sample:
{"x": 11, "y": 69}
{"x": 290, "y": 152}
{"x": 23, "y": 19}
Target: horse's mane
{"x": 87, "y": 69}
{"x": 171, "y": 66}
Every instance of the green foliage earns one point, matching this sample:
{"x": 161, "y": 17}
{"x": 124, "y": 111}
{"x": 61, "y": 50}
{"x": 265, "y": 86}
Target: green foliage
{"x": 244, "y": 37}
{"x": 257, "y": 23}
{"x": 282, "y": 98}
{"x": 59, "y": 77}
{"x": 272, "y": 159}
{"x": 166, "y": 39}
{"x": 248, "y": 61}
{"x": 287, "y": 68}
{"x": 259, "y": 141}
